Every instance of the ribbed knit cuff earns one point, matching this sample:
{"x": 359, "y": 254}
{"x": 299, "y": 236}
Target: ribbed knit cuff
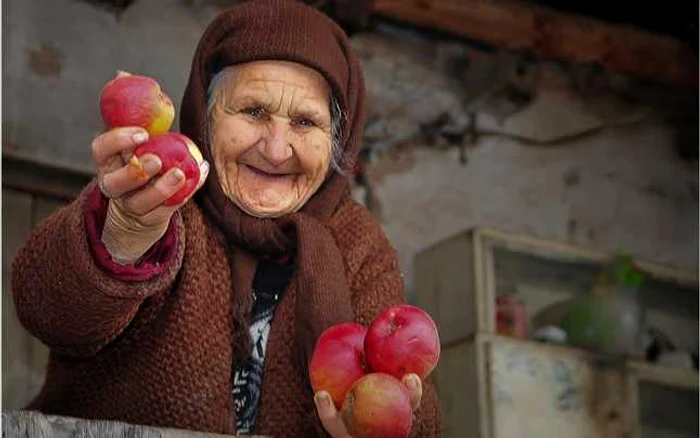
{"x": 156, "y": 260}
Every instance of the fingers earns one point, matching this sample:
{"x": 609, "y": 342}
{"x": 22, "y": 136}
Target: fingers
{"x": 127, "y": 178}
{"x": 203, "y": 173}
{"x": 415, "y": 389}
{"x": 116, "y": 141}
{"x": 329, "y": 416}
{"x": 149, "y": 198}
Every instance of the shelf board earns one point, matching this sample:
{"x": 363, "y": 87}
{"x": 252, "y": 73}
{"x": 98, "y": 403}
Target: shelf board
{"x": 677, "y": 378}
{"x": 556, "y": 249}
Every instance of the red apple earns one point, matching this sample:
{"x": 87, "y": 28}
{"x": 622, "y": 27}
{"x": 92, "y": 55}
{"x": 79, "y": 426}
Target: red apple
{"x": 134, "y": 100}
{"x": 338, "y": 360}
{"x": 378, "y": 406}
{"x": 174, "y": 150}
{"x": 403, "y": 339}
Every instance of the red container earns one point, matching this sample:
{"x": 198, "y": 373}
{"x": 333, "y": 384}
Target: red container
{"x": 511, "y": 316}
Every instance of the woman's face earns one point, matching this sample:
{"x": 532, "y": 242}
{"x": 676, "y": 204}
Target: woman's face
{"x": 271, "y": 136}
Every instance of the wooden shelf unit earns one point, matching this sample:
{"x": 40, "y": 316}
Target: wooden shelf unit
{"x": 493, "y": 386}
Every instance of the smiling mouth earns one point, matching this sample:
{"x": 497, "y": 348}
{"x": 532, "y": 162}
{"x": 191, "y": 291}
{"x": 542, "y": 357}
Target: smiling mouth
{"x": 260, "y": 172}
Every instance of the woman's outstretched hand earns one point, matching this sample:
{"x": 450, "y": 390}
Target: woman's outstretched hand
{"x": 332, "y": 420}
{"x": 136, "y": 217}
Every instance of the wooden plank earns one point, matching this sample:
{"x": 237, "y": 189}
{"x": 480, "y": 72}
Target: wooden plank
{"x": 633, "y": 406}
{"x": 555, "y": 35}
{"x": 672, "y": 377}
{"x": 31, "y": 424}
{"x": 444, "y": 287}
{"x": 482, "y": 280}
{"x": 16, "y": 226}
{"x": 557, "y": 249}
{"x": 487, "y": 388}
{"x": 456, "y": 383}
{"x": 43, "y": 179}
{"x": 487, "y": 297}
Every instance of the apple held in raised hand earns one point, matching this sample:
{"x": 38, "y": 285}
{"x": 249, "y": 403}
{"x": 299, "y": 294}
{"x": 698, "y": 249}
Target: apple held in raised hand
{"x": 402, "y": 339}
{"x": 174, "y": 150}
{"x": 134, "y": 100}
{"x": 338, "y": 360}
{"x": 378, "y": 406}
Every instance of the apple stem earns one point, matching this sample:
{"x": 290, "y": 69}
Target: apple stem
{"x": 393, "y": 326}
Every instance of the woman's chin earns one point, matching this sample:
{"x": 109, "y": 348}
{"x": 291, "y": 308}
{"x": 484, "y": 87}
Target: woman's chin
{"x": 266, "y": 208}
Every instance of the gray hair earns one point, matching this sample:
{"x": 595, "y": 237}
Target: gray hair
{"x": 338, "y": 117}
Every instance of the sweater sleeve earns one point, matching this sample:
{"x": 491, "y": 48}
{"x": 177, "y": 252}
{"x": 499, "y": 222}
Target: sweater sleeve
{"x": 380, "y": 285}
{"x": 156, "y": 260}
{"x": 66, "y": 296}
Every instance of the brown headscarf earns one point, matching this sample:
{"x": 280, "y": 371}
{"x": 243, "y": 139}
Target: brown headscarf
{"x": 289, "y": 31}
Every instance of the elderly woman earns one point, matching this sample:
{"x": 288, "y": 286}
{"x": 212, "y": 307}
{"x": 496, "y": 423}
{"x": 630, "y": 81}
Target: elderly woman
{"x": 204, "y": 315}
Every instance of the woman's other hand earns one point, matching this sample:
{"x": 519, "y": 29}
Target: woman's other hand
{"x": 136, "y": 217}
{"x": 332, "y": 420}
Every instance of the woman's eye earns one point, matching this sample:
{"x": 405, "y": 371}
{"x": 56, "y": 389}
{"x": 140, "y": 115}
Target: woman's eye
{"x": 255, "y": 112}
{"x": 306, "y": 123}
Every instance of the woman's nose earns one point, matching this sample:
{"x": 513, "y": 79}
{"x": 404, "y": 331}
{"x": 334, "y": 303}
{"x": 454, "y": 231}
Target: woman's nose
{"x": 277, "y": 149}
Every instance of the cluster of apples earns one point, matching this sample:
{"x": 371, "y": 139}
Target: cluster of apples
{"x": 361, "y": 368}
{"x": 139, "y": 101}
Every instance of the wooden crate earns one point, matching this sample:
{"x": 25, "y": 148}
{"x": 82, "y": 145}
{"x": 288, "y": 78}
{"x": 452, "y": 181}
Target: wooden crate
{"x": 499, "y": 387}
{"x": 457, "y": 281}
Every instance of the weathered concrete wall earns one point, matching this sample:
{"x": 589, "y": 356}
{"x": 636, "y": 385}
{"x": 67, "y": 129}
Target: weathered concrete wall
{"x": 578, "y": 165}
{"x": 621, "y": 185}
{"x": 58, "y": 54}
{"x": 622, "y": 189}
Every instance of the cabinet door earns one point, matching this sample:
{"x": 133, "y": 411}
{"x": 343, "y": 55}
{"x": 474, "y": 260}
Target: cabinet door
{"x": 536, "y": 391}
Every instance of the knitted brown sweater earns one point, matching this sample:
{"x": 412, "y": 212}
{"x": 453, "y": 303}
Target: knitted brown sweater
{"x": 158, "y": 351}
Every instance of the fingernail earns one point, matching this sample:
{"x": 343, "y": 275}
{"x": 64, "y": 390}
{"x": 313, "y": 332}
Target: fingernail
{"x": 175, "y": 177}
{"x": 204, "y": 167}
{"x": 413, "y": 382}
{"x": 151, "y": 165}
{"x": 323, "y": 399}
{"x": 139, "y": 137}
